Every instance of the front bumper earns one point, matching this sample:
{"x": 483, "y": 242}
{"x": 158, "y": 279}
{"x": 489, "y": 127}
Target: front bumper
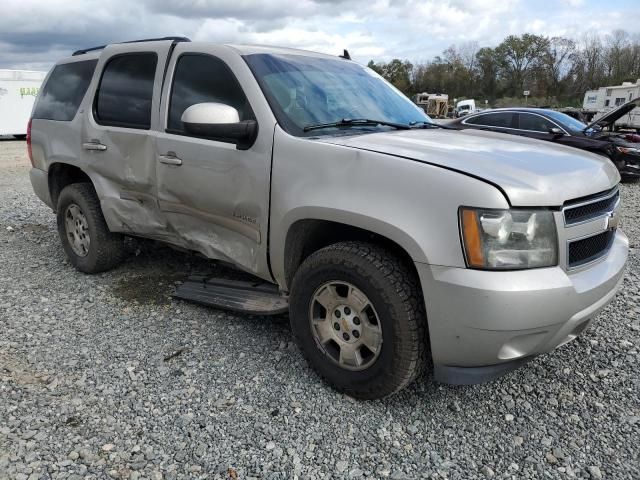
{"x": 630, "y": 171}
{"x": 631, "y": 166}
{"x": 483, "y": 323}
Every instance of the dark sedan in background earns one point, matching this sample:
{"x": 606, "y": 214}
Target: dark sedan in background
{"x": 623, "y": 148}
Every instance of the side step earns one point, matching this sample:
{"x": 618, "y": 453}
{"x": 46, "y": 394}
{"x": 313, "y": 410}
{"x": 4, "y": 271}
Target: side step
{"x": 256, "y": 298}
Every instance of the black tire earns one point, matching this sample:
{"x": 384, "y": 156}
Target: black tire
{"x": 394, "y": 292}
{"x": 106, "y": 250}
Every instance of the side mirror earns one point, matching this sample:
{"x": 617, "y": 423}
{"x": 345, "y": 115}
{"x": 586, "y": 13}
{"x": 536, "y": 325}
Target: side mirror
{"x": 556, "y": 131}
{"x": 219, "y": 122}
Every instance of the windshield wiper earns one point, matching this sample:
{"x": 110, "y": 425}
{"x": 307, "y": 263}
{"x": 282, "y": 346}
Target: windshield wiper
{"x": 356, "y": 122}
{"x": 425, "y": 124}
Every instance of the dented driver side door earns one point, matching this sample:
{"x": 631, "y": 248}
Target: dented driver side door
{"x": 213, "y": 196}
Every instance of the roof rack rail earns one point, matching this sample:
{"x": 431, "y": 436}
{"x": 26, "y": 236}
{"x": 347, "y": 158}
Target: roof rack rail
{"x": 92, "y": 49}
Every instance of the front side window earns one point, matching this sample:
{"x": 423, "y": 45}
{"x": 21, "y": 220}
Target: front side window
{"x": 64, "y": 91}
{"x": 535, "y": 123}
{"x": 304, "y": 91}
{"x": 499, "y": 119}
{"x": 202, "y": 78}
{"x": 567, "y": 121}
{"x": 125, "y": 93}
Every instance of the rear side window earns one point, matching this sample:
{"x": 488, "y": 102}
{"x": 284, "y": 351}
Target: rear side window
{"x": 501, "y": 120}
{"x": 64, "y": 91}
{"x": 126, "y": 91}
{"x": 535, "y": 123}
{"x": 200, "y": 79}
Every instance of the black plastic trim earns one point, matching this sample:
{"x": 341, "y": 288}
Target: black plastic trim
{"x": 160, "y": 39}
{"x": 475, "y": 375}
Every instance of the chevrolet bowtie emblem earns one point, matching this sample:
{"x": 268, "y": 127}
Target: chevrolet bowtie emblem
{"x": 612, "y": 220}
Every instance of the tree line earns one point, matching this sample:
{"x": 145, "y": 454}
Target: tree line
{"x": 557, "y": 71}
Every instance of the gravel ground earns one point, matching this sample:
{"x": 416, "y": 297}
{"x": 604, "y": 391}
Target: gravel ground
{"x": 106, "y": 376}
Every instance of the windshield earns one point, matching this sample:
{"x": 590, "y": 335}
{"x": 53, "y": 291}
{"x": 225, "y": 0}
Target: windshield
{"x": 305, "y": 91}
{"x": 566, "y": 121}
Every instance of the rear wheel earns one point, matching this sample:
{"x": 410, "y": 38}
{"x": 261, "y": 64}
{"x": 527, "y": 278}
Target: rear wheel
{"x": 357, "y": 315}
{"x": 84, "y": 234}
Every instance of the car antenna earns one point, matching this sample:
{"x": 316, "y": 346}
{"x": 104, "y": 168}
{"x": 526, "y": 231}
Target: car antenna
{"x": 345, "y": 54}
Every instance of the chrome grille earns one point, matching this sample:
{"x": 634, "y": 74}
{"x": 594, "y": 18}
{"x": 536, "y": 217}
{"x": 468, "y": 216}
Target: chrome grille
{"x": 590, "y": 228}
{"x": 588, "y": 210}
{"x": 589, "y": 249}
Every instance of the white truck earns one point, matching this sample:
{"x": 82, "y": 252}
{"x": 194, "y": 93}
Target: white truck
{"x": 18, "y": 91}
{"x": 465, "y": 107}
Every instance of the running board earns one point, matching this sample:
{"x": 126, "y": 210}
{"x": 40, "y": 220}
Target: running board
{"x": 256, "y": 298}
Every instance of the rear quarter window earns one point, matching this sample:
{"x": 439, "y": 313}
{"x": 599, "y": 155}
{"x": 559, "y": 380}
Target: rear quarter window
{"x": 61, "y": 96}
{"x": 535, "y": 123}
{"x": 499, "y": 119}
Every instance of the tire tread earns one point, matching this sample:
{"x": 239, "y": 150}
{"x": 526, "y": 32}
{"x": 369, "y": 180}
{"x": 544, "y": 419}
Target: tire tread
{"x": 110, "y": 246}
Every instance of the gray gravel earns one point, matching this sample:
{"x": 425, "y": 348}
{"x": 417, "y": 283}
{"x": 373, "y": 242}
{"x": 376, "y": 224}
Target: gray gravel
{"x": 106, "y": 376}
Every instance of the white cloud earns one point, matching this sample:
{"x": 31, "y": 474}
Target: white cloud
{"x": 37, "y": 32}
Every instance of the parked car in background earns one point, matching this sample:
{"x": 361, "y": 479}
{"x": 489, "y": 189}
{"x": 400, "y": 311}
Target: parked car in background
{"x": 394, "y": 243}
{"x": 553, "y": 126}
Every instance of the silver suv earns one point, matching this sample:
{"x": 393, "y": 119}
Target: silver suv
{"x": 393, "y": 242}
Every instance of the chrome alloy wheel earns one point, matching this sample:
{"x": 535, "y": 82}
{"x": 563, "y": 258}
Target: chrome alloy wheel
{"x": 77, "y": 230}
{"x": 345, "y": 325}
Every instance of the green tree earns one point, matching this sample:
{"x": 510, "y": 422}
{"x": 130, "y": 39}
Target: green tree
{"x": 488, "y": 66}
{"x": 518, "y": 57}
{"x": 556, "y": 62}
{"x": 398, "y": 72}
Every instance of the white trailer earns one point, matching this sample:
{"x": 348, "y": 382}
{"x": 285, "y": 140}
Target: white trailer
{"x": 598, "y": 102}
{"x": 18, "y": 91}
{"x": 435, "y": 105}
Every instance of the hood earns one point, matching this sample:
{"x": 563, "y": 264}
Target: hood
{"x": 610, "y": 118}
{"x": 530, "y": 172}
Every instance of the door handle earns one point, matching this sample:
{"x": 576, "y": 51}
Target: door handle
{"x": 170, "y": 158}
{"x": 94, "y": 145}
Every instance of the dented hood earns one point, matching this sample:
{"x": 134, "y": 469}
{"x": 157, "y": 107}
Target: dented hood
{"x": 530, "y": 172}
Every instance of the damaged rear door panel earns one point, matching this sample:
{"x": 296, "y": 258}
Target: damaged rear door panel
{"x": 116, "y": 140}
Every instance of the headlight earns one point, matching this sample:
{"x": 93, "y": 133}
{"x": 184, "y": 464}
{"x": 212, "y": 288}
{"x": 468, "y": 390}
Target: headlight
{"x": 629, "y": 150}
{"x": 508, "y": 239}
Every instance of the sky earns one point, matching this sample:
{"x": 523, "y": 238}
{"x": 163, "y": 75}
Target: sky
{"x": 36, "y": 33}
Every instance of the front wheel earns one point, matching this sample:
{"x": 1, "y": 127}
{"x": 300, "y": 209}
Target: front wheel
{"x": 357, "y": 314}
{"x": 84, "y": 234}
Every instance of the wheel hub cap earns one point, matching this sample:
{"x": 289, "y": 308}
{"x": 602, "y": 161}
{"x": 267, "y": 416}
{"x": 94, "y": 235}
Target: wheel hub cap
{"x": 77, "y": 230}
{"x": 345, "y": 325}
